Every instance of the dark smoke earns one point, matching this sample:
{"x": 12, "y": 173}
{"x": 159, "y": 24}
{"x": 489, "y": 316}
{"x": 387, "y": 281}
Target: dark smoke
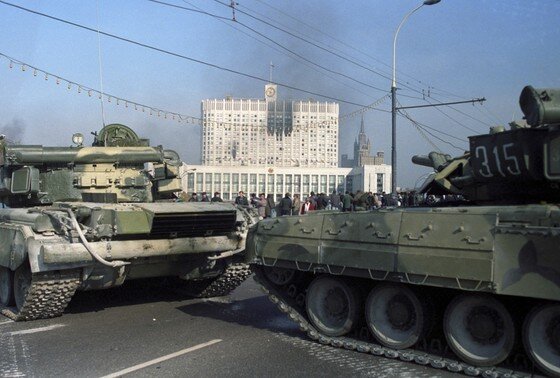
{"x": 13, "y": 130}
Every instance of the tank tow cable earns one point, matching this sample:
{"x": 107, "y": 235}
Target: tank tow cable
{"x": 77, "y": 228}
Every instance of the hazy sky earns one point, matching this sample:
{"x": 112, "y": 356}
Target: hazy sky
{"x": 455, "y": 50}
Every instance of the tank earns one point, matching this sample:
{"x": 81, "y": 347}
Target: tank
{"x": 470, "y": 287}
{"x": 87, "y": 218}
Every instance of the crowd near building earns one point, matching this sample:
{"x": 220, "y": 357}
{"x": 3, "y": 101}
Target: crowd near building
{"x": 277, "y": 147}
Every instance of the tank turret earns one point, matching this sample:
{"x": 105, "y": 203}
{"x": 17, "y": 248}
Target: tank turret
{"x": 114, "y": 169}
{"x": 520, "y": 165}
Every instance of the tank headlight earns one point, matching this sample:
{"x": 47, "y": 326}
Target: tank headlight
{"x": 78, "y": 139}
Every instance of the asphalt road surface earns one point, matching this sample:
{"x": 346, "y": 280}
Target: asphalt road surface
{"x": 143, "y": 330}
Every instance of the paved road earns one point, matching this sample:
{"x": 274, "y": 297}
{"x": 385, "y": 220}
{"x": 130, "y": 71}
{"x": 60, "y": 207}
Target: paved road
{"x": 140, "y": 330}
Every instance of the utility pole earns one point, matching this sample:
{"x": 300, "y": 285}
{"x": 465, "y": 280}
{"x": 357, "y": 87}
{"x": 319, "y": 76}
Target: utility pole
{"x": 394, "y": 98}
{"x": 232, "y": 4}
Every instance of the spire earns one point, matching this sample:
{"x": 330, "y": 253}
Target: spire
{"x": 362, "y": 129}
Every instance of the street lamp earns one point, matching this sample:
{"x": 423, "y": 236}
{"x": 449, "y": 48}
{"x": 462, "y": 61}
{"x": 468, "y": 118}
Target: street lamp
{"x": 394, "y": 98}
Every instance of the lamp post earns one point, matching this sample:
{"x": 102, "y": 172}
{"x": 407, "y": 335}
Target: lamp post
{"x": 394, "y": 98}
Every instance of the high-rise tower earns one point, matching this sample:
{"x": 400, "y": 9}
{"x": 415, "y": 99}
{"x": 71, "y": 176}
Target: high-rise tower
{"x": 269, "y": 132}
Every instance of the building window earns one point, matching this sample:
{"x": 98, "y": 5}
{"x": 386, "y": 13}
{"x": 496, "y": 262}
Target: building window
{"x": 199, "y": 179}
{"x": 226, "y": 185}
{"x": 262, "y": 183}
{"x": 217, "y": 182}
{"x": 289, "y": 188}
{"x": 279, "y": 183}
{"x": 208, "y": 183}
{"x": 270, "y": 183}
{"x": 323, "y": 187}
{"x": 297, "y": 184}
{"x": 253, "y": 183}
{"x": 380, "y": 183}
{"x": 305, "y": 188}
{"x": 332, "y": 183}
{"x": 235, "y": 182}
{"x": 315, "y": 183}
{"x": 190, "y": 182}
{"x": 244, "y": 182}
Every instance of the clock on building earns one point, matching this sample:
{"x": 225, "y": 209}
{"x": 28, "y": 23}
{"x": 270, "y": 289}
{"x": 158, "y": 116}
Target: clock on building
{"x": 270, "y": 92}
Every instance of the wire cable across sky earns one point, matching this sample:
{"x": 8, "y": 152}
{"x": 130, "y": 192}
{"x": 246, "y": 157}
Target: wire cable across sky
{"x": 177, "y": 55}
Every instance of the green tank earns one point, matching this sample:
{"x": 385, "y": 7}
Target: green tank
{"x": 85, "y": 218}
{"x": 471, "y": 288}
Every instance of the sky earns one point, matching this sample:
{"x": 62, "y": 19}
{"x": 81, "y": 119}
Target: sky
{"x": 323, "y": 49}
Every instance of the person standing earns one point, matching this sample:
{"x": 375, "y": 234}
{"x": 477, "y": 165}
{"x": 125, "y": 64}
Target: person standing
{"x": 194, "y": 198}
{"x": 286, "y": 205}
{"x": 217, "y": 198}
{"x": 241, "y": 199}
{"x": 296, "y": 205}
{"x": 204, "y": 197}
{"x": 335, "y": 200}
{"x": 307, "y": 206}
{"x": 347, "y": 202}
{"x": 261, "y": 206}
{"x": 270, "y": 206}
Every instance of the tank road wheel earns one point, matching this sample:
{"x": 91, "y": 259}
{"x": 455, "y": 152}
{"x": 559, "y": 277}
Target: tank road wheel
{"x": 279, "y": 276}
{"x": 332, "y": 306}
{"x": 22, "y": 283}
{"x": 6, "y": 287}
{"x": 541, "y": 337}
{"x": 479, "y": 329}
{"x": 395, "y": 316}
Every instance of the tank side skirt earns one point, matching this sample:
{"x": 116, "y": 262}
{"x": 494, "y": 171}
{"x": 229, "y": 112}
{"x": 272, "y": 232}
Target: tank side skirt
{"x": 380, "y": 275}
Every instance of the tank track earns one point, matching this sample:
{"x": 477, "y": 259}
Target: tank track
{"x": 225, "y": 283}
{"x": 291, "y": 302}
{"x": 48, "y": 295}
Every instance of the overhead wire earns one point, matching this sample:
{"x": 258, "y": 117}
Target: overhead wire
{"x": 262, "y": 35}
{"x": 492, "y": 115}
{"x": 425, "y": 130}
{"x": 407, "y": 116}
{"x": 101, "y": 95}
{"x": 171, "y": 53}
{"x": 313, "y": 44}
{"x": 152, "y": 110}
{"x": 352, "y": 48}
{"x": 460, "y": 112}
{"x": 227, "y": 21}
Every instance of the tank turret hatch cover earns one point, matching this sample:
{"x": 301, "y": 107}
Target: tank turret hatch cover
{"x": 117, "y": 135}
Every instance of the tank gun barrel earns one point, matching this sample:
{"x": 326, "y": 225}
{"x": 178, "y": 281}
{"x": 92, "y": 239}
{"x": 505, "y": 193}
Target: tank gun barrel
{"x": 422, "y": 160}
{"x": 38, "y": 155}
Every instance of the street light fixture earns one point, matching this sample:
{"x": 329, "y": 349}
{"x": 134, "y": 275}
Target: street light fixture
{"x": 394, "y": 98}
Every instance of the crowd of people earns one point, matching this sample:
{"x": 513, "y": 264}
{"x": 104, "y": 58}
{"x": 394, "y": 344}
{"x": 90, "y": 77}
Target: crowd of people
{"x": 267, "y": 207}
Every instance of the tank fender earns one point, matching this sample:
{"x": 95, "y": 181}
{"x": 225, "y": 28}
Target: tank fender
{"x": 13, "y": 245}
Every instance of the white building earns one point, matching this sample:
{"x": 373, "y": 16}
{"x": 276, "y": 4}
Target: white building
{"x": 279, "y": 180}
{"x": 273, "y": 147}
{"x": 268, "y": 132}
